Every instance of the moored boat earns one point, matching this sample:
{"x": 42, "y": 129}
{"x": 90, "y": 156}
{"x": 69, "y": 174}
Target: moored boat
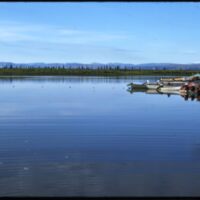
{"x": 169, "y": 88}
{"x": 145, "y": 85}
{"x": 153, "y": 86}
{"x": 137, "y": 86}
{"x": 193, "y": 77}
{"x": 185, "y": 87}
{"x": 173, "y": 83}
{"x": 173, "y": 79}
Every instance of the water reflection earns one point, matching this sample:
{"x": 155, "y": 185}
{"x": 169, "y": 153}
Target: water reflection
{"x": 186, "y": 96}
{"x": 75, "y": 79}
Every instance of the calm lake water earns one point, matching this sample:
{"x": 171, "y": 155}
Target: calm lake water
{"x": 89, "y": 136}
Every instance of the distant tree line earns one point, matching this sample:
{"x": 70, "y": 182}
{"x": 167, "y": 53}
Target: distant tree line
{"x": 87, "y": 67}
{"x": 82, "y": 70}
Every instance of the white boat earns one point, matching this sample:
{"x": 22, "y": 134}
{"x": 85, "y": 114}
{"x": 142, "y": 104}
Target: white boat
{"x": 174, "y": 83}
{"x": 173, "y": 79}
{"x": 169, "y": 88}
{"x": 152, "y": 86}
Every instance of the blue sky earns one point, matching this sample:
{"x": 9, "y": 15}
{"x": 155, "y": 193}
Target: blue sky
{"x": 100, "y": 32}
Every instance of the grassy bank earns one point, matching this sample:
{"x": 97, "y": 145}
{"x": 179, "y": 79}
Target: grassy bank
{"x": 90, "y": 72}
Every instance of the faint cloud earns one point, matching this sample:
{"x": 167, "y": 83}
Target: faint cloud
{"x": 189, "y": 52}
{"x": 22, "y": 42}
{"x": 16, "y": 32}
{"x": 89, "y": 36}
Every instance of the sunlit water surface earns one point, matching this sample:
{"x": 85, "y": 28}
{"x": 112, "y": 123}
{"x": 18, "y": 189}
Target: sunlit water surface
{"x": 88, "y": 136}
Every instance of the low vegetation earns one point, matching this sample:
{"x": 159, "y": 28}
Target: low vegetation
{"x": 91, "y": 72}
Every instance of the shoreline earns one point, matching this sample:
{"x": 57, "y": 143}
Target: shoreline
{"x": 92, "y": 72}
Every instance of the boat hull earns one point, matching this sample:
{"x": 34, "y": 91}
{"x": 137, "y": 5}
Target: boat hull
{"x": 173, "y": 79}
{"x": 138, "y": 86}
{"x": 152, "y": 87}
{"x": 169, "y": 89}
{"x": 174, "y": 83}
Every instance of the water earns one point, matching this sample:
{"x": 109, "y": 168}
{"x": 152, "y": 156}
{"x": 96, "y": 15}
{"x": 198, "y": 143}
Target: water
{"x": 88, "y": 136}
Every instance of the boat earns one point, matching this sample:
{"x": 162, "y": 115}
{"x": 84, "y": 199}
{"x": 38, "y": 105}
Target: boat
{"x": 193, "y": 77}
{"x": 137, "y": 86}
{"x": 145, "y": 85}
{"x": 153, "y": 86}
{"x": 173, "y": 79}
{"x": 169, "y": 89}
{"x": 173, "y": 83}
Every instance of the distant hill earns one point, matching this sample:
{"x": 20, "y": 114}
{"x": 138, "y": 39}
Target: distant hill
{"x": 151, "y": 66}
